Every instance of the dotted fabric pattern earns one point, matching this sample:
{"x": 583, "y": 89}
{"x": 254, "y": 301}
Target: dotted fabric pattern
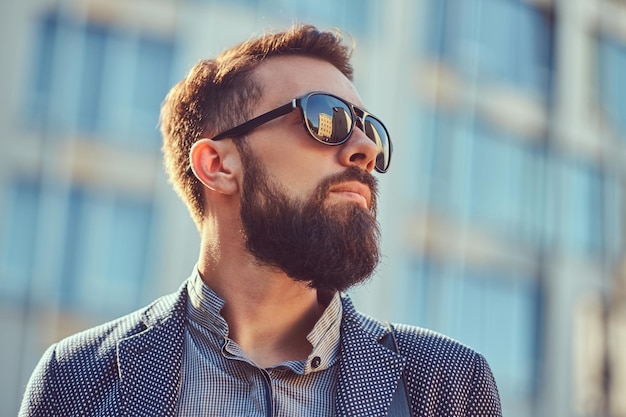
{"x": 446, "y": 378}
{"x": 132, "y": 366}
{"x": 443, "y": 376}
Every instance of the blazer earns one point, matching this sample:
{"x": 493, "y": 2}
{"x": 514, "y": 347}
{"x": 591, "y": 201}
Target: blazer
{"x": 132, "y": 367}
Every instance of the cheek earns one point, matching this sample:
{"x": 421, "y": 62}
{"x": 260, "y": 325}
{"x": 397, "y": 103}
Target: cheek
{"x": 296, "y": 161}
{"x": 301, "y": 173}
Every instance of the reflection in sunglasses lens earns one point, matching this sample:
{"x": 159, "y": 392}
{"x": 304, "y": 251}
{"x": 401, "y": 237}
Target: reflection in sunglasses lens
{"x": 330, "y": 120}
{"x": 377, "y": 133}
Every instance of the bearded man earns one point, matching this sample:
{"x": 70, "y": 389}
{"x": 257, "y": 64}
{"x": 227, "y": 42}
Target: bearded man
{"x": 272, "y": 150}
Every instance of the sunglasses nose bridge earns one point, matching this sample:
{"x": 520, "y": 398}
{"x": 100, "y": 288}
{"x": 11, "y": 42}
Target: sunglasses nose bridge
{"x": 359, "y": 117}
{"x": 358, "y": 122}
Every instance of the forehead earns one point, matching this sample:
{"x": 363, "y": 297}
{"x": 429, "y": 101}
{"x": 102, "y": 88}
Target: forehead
{"x": 284, "y": 78}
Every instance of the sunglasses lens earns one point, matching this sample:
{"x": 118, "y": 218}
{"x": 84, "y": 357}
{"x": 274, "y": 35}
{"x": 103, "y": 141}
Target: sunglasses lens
{"x": 376, "y": 131}
{"x": 328, "y": 119}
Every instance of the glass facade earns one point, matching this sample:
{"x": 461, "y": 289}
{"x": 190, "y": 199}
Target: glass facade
{"x": 20, "y": 233}
{"x": 462, "y": 157}
{"x": 507, "y": 41}
{"x": 611, "y": 82}
{"x": 103, "y": 241}
{"x": 105, "y": 278}
{"x": 578, "y": 214}
{"x": 349, "y": 15}
{"x": 99, "y": 79}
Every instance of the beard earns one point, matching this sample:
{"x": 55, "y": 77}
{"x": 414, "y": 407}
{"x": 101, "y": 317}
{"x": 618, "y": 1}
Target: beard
{"x": 331, "y": 247}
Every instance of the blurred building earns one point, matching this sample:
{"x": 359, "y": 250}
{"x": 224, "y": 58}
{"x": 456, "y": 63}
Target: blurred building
{"x": 502, "y": 214}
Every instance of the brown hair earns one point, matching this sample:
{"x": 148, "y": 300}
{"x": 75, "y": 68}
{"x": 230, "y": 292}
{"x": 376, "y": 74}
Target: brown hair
{"x": 219, "y": 93}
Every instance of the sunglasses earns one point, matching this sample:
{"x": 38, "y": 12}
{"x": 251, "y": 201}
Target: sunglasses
{"x": 329, "y": 120}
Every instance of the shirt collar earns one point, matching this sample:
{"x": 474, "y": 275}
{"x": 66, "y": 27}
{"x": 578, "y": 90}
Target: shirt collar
{"x": 205, "y": 305}
{"x": 325, "y": 337}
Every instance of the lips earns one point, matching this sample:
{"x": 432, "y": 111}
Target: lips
{"x": 353, "y": 190}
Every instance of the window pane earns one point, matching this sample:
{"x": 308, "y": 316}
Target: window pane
{"x": 505, "y": 40}
{"x": 507, "y": 185}
{"x": 129, "y": 241}
{"x": 496, "y": 178}
{"x": 46, "y": 37}
{"x": 19, "y": 239}
{"x": 106, "y": 252}
{"x": 612, "y": 83}
{"x": 109, "y": 82}
{"x": 91, "y": 85}
{"x": 579, "y": 209}
{"x": 350, "y": 15}
{"x": 150, "y": 84}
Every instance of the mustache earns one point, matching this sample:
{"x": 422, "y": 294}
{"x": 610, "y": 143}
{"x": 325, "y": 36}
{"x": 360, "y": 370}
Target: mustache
{"x": 352, "y": 173}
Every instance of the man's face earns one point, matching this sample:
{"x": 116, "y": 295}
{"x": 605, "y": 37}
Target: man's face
{"x": 307, "y": 208}
{"x": 331, "y": 246}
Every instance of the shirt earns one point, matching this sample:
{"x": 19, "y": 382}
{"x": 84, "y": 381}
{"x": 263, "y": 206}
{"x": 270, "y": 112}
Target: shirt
{"x": 219, "y": 379}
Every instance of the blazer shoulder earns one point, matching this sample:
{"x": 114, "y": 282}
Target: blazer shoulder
{"x": 441, "y": 368}
{"x": 411, "y": 337}
{"x": 80, "y": 372}
{"x": 439, "y": 354}
{"x": 104, "y": 337}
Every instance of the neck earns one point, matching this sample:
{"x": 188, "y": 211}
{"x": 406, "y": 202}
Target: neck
{"x": 269, "y": 315}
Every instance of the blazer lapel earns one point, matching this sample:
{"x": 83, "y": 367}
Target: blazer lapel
{"x": 369, "y": 373}
{"x": 150, "y": 365}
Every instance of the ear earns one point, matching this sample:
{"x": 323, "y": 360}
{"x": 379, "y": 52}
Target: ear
{"x": 216, "y": 164}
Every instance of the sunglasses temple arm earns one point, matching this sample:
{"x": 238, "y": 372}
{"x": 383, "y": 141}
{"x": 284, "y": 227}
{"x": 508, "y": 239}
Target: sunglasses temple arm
{"x": 244, "y": 128}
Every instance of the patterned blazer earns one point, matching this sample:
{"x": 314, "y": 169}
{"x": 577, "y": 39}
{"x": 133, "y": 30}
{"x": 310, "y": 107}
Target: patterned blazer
{"x": 132, "y": 367}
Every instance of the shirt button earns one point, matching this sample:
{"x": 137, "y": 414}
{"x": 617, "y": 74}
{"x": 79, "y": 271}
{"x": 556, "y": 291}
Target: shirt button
{"x": 316, "y": 362}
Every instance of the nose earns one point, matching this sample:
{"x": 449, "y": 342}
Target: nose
{"x": 359, "y": 150}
